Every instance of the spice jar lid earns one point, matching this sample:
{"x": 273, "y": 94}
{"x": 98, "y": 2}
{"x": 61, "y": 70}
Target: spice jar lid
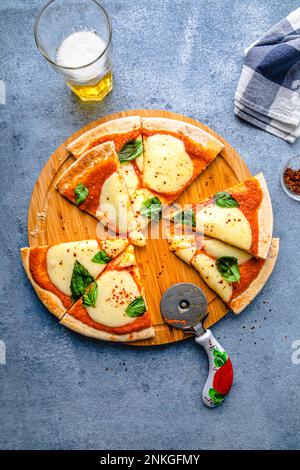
{"x": 290, "y": 178}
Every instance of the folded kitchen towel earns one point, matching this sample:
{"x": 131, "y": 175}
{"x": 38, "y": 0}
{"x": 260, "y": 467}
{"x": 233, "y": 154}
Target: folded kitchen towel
{"x": 268, "y": 92}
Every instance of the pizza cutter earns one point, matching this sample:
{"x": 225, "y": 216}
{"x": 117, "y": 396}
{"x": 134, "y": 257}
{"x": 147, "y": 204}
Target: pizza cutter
{"x": 184, "y": 306}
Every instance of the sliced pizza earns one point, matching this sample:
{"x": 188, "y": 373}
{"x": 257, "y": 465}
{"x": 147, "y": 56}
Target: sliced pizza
{"x": 174, "y": 154}
{"x": 241, "y": 216}
{"x": 235, "y": 275}
{"x": 95, "y": 185}
{"x": 159, "y": 158}
{"x": 61, "y": 273}
{"x": 113, "y": 307}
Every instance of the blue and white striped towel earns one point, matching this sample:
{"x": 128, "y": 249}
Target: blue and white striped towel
{"x": 268, "y": 93}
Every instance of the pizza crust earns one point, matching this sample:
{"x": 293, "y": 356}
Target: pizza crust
{"x": 125, "y": 260}
{"x": 50, "y": 300}
{"x": 91, "y": 138}
{"x": 93, "y": 157}
{"x": 162, "y": 124}
{"x": 104, "y": 154}
{"x": 79, "y": 327}
{"x": 245, "y": 298}
{"x": 198, "y": 135}
{"x": 265, "y": 220}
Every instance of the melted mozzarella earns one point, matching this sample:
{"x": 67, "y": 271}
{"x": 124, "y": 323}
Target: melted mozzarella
{"x": 178, "y": 242}
{"x": 167, "y": 166}
{"x": 116, "y": 290}
{"x": 186, "y": 254}
{"x": 114, "y": 205}
{"x": 140, "y": 163}
{"x": 137, "y": 238}
{"x": 61, "y": 259}
{"x": 137, "y": 199}
{"x": 227, "y": 224}
{"x": 218, "y": 249}
{"x": 114, "y": 247}
{"x": 207, "y": 269}
{"x": 130, "y": 177}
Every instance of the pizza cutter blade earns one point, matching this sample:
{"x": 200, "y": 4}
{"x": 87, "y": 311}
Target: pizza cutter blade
{"x": 184, "y": 306}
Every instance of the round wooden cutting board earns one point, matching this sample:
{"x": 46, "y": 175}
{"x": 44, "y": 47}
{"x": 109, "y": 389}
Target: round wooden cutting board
{"x": 52, "y": 219}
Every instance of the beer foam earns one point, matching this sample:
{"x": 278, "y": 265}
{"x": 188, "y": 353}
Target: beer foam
{"x": 80, "y": 49}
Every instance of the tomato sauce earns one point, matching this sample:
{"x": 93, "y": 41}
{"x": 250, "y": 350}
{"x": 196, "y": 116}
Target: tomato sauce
{"x": 249, "y": 271}
{"x": 93, "y": 179}
{"x": 249, "y": 201}
{"x": 119, "y": 139}
{"x": 38, "y": 270}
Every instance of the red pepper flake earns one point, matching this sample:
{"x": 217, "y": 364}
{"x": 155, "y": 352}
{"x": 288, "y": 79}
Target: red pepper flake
{"x": 291, "y": 179}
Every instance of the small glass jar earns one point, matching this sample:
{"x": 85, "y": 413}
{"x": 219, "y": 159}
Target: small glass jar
{"x": 294, "y": 164}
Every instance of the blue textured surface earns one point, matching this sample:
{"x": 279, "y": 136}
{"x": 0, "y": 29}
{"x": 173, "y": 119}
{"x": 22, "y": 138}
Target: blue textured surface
{"x": 62, "y": 391}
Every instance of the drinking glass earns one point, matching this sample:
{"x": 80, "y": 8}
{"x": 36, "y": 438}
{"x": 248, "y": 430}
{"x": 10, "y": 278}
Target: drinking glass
{"x": 58, "y": 20}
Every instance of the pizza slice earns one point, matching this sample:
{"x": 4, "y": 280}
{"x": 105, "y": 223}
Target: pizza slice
{"x": 61, "y": 273}
{"x": 126, "y": 134}
{"x": 114, "y": 306}
{"x": 236, "y": 276}
{"x": 240, "y": 216}
{"x": 95, "y": 185}
{"x": 174, "y": 154}
{"x": 158, "y": 158}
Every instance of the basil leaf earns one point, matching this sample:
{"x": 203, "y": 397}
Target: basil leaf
{"x": 186, "y": 217}
{"x": 90, "y": 296}
{"x": 101, "y": 258}
{"x": 136, "y": 308}
{"x": 81, "y": 279}
{"x": 225, "y": 200}
{"x": 130, "y": 151}
{"x": 228, "y": 268}
{"x": 81, "y": 193}
{"x": 151, "y": 208}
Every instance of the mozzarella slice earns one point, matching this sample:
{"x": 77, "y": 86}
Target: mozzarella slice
{"x": 178, "y": 242}
{"x": 207, "y": 269}
{"x": 227, "y": 224}
{"x": 130, "y": 177}
{"x": 218, "y": 249}
{"x": 137, "y": 238}
{"x": 137, "y": 199}
{"x": 140, "y": 163}
{"x": 116, "y": 290}
{"x": 61, "y": 259}
{"x": 114, "y": 205}
{"x": 186, "y": 254}
{"x": 167, "y": 166}
{"x": 114, "y": 246}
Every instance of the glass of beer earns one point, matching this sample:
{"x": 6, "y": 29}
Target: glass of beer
{"x": 75, "y": 37}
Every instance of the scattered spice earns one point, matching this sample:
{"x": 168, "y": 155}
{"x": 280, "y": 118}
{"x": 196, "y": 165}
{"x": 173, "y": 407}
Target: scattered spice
{"x": 291, "y": 179}
{"x": 35, "y": 231}
{"x": 41, "y": 215}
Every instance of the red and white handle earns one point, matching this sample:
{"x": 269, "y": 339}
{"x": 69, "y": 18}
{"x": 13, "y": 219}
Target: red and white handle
{"x": 220, "y": 376}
